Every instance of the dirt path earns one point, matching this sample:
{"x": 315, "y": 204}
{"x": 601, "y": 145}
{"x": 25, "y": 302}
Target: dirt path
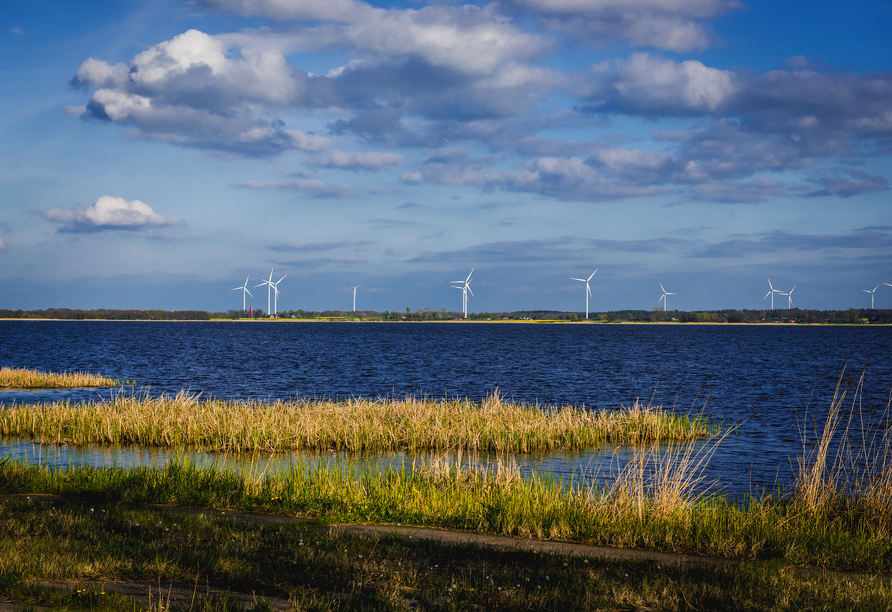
{"x": 151, "y": 593}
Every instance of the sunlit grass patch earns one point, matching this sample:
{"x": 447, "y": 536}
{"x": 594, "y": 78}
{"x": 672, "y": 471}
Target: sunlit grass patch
{"x": 354, "y": 425}
{"x": 21, "y": 378}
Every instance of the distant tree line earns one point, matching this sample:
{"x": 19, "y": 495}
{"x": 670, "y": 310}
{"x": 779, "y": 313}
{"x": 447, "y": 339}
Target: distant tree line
{"x": 852, "y": 316}
{"x": 114, "y": 314}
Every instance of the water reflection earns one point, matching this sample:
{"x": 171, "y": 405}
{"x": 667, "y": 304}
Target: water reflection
{"x": 590, "y": 469}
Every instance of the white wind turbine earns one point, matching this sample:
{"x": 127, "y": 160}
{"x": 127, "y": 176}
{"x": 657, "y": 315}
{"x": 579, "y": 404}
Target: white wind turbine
{"x": 465, "y": 287}
{"x": 771, "y": 292}
{"x": 588, "y": 290}
{"x": 871, "y": 294}
{"x": 663, "y": 298}
{"x": 244, "y": 291}
{"x": 354, "y": 294}
{"x": 789, "y": 295}
{"x": 270, "y": 285}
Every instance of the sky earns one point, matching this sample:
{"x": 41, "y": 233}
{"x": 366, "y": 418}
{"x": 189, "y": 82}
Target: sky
{"x": 155, "y": 154}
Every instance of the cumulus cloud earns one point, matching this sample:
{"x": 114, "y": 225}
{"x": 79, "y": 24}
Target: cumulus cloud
{"x": 108, "y": 213}
{"x": 312, "y": 187}
{"x": 460, "y": 76}
{"x": 359, "y": 160}
{"x": 189, "y": 91}
{"x": 648, "y": 85}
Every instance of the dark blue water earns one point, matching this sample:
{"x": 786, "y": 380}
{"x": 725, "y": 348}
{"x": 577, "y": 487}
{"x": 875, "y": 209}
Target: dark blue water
{"x": 762, "y": 376}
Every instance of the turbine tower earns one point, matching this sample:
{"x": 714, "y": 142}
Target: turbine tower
{"x": 244, "y": 291}
{"x": 270, "y": 285}
{"x": 871, "y": 294}
{"x": 771, "y": 292}
{"x": 354, "y": 294}
{"x": 588, "y": 290}
{"x": 663, "y": 298}
{"x": 465, "y": 287}
{"x": 789, "y": 295}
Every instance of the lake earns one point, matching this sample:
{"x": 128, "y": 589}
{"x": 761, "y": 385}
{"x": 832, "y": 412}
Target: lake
{"x": 762, "y": 376}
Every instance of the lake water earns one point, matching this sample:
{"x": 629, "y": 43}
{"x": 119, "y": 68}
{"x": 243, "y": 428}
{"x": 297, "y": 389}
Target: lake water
{"x": 761, "y": 376}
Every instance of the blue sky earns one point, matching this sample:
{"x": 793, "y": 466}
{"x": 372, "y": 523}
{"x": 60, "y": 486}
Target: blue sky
{"x": 154, "y": 154}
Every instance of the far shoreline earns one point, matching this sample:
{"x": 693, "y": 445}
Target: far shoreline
{"x": 460, "y": 321}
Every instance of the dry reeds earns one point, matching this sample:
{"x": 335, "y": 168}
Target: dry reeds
{"x": 354, "y": 425}
{"x": 845, "y": 473}
{"x": 21, "y": 378}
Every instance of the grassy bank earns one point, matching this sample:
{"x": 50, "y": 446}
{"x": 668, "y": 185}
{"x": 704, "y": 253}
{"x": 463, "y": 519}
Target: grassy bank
{"x": 355, "y": 425}
{"x": 21, "y": 378}
{"x": 321, "y": 570}
{"x": 649, "y": 506}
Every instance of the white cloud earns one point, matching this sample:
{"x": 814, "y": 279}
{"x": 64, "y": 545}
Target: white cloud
{"x": 646, "y": 83}
{"x": 108, "y": 213}
{"x": 2, "y": 245}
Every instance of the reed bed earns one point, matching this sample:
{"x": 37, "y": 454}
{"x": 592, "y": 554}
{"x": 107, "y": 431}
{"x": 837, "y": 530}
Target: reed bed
{"x": 838, "y": 516}
{"x": 21, "y": 378}
{"x": 354, "y": 425}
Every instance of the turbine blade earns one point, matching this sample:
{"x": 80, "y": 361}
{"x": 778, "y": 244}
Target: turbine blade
{"x": 766, "y": 295}
{"x": 579, "y": 279}
{"x": 661, "y": 287}
{"x": 769, "y": 283}
{"x": 471, "y": 292}
{"x": 249, "y": 293}
{"x": 589, "y": 289}
{"x": 593, "y": 273}
{"x": 469, "y": 275}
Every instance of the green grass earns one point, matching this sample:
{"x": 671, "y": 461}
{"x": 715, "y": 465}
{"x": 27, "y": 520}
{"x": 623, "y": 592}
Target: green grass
{"x": 847, "y": 534}
{"x": 355, "y": 425}
{"x": 318, "y": 569}
{"x": 21, "y": 378}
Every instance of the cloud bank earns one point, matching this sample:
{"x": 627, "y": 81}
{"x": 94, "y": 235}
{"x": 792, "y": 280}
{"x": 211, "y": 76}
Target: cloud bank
{"x": 108, "y": 213}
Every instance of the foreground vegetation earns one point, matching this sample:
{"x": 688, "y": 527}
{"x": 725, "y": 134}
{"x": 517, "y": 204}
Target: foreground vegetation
{"x": 654, "y": 503}
{"x": 21, "y": 378}
{"x": 356, "y": 425}
{"x": 97, "y": 544}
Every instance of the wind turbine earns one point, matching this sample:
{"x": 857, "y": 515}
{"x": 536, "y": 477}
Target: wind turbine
{"x": 271, "y": 285}
{"x": 772, "y": 291}
{"x": 465, "y": 287}
{"x": 789, "y": 295}
{"x": 663, "y": 298}
{"x": 354, "y": 294}
{"x": 871, "y": 294}
{"x": 244, "y": 291}
{"x": 588, "y": 290}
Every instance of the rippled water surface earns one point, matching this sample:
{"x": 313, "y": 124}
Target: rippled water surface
{"x": 764, "y": 375}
